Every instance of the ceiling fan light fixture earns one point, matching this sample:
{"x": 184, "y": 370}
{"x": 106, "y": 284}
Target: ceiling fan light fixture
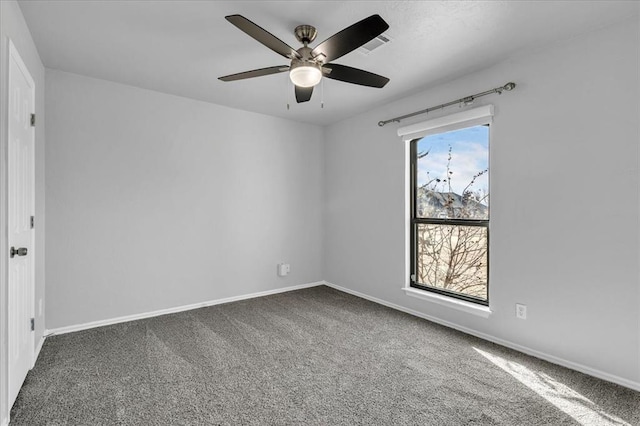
{"x": 305, "y": 74}
{"x": 308, "y": 65}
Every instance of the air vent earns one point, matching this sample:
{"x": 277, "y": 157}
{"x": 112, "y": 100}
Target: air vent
{"x": 375, "y": 44}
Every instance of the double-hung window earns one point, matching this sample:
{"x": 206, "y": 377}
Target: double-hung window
{"x": 449, "y": 187}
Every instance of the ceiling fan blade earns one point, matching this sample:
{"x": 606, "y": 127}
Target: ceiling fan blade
{"x": 354, "y": 75}
{"x": 350, "y": 38}
{"x": 263, "y": 36}
{"x": 255, "y": 73}
{"x": 303, "y": 94}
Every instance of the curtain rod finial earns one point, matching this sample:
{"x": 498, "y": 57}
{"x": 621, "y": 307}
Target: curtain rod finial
{"x": 509, "y": 86}
{"x": 381, "y": 123}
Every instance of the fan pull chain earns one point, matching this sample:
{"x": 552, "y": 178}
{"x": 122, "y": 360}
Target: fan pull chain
{"x": 287, "y": 91}
{"x": 322, "y": 94}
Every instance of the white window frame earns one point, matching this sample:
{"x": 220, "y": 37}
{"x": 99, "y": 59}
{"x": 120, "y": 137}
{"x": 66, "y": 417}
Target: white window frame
{"x": 469, "y": 118}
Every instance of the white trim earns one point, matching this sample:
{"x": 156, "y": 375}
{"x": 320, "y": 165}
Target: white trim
{"x": 15, "y": 55}
{"x": 461, "y": 305}
{"x": 38, "y": 349}
{"x": 447, "y": 123}
{"x": 5, "y": 409}
{"x": 134, "y": 317}
{"x": 524, "y": 349}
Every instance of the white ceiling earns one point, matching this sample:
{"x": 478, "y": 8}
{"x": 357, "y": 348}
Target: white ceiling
{"x": 181, "y": 47}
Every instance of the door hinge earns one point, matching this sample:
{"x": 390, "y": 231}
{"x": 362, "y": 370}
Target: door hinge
{"x": 33, "y": 324}
{"x": 33, "y": 220}
{"x": 33, "y": 120}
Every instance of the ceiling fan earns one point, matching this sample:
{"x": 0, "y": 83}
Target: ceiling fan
{"x": 308, "y": 65}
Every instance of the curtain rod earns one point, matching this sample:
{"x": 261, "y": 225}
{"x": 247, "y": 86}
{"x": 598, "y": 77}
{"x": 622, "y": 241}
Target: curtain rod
{"x": 466, "y": 100}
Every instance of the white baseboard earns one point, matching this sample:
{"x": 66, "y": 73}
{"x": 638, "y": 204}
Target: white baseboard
{"x": 547, "y": 357}
{"x": 111, "y": 321}
{"x": 551, "y": 358}
{"x": 38, "y": 349}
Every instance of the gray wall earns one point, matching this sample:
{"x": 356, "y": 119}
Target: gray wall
{"x": 156, "y": 201}
{"x": 13, "y": 26}
{"x": 564, "y": 201}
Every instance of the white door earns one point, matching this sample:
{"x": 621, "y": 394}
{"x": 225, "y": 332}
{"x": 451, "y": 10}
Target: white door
{"x": 21, "y": 208}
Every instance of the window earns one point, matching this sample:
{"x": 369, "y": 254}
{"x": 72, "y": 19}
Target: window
{"x": 450, "y": 213}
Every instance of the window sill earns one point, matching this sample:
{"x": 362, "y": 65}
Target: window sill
{"x": 461, "y": 305}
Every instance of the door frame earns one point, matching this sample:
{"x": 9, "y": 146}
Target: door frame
{"x": 11, "y": 54}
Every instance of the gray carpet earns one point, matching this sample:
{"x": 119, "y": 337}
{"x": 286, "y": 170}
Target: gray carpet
{"x": 314, "y": 357}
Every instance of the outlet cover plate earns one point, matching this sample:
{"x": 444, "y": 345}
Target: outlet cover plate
{"x": 521, "y": 311}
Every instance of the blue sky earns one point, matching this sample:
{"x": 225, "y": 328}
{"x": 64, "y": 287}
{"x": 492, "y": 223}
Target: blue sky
{"x": 469, "y": 155}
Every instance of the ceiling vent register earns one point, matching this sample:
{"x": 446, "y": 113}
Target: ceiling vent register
{"x": 375, "y": 44}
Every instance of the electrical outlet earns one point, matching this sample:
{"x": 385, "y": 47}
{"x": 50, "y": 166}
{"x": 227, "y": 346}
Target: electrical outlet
{"x": 284, "y": 269}
{"x": 521, "y": 311}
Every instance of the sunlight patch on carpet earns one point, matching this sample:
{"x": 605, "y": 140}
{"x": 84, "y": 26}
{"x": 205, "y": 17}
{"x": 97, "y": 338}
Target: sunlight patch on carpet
{"x": 580, "y": 408}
